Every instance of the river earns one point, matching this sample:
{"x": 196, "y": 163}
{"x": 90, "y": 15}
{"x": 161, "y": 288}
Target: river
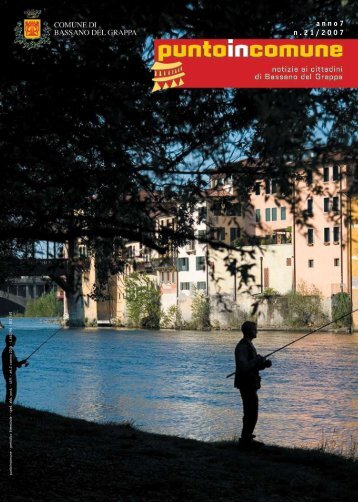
{"x": 174, "y": 382}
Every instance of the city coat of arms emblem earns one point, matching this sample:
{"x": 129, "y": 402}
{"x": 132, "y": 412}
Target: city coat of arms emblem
{"x": 29, "y": 34}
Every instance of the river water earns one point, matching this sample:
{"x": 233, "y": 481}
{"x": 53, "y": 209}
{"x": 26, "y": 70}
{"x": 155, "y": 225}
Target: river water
{"x": 173, "y": 382}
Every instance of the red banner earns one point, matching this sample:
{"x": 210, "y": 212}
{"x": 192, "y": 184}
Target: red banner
{"x": 233, "y": 63}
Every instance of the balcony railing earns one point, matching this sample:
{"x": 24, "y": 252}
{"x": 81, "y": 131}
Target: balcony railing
{"x": 155, "y": 264}
{"x": 257, "y": 240}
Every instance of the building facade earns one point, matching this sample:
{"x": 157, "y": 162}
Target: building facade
{"x": 264, "y": 245}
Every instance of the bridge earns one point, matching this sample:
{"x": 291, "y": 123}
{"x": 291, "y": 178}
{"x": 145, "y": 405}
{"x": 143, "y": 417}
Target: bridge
{"x": 29, "y": 277}
{"x": 18, "y": 300}
{"x": 21, "y": 290}
{"x": 34, "y": 267}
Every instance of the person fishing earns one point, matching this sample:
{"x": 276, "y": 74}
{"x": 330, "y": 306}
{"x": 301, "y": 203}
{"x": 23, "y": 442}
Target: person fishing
{"x": 247, "y": 380}
{"x": 9, "y": 367}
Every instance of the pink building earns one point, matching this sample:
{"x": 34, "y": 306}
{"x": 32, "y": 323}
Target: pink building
{"x": 320, "y": 249}
{"x": 317, "y": 251}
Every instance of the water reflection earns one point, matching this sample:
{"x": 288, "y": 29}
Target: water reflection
{"x": 174, "y": 382}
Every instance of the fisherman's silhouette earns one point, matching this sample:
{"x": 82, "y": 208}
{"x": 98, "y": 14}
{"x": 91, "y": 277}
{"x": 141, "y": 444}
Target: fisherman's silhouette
{"x": 247, "y": 380}
{"x": 9, "y": 367}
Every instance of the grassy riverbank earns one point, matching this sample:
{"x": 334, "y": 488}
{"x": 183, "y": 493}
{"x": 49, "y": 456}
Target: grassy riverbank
{"x": 58, "y": 458}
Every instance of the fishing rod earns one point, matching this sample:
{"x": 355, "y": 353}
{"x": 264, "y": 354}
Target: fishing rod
{"x": 43, "y": 343}
{"x": 304, "y": 336}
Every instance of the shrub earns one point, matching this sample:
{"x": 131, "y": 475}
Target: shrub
{"x": 304, "y": 307}
{"x": 200, "y": 311}
{"x": 268, "y": 293}
{"x": 172, "y": 318}
{"x": 341, "y": 305}
{"x": 142, "y": 301}
{"x": 91, "y": 324}
{"x": 46, "y": 305}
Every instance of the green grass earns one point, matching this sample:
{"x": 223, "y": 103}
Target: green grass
{"x": 58, "y": 458}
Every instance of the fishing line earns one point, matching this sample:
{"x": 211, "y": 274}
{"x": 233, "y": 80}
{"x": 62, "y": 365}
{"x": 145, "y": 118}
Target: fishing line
{"x": 304, "y": 336}
{"x": 43, "y": 343}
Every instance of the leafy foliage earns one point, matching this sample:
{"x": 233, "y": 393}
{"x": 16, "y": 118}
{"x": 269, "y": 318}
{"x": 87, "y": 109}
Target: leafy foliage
{"x": 304, "y": 307}
{"x": 341, "y": 305}
{"x": 172, "y": 318}
{"x": 200, "y": 311}
{"x": 45, "y": 306}
{"x": 143, "y": 301}
{"x": 269, "y": 293}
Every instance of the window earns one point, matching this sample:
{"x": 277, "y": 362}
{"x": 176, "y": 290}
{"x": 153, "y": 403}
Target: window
{"x": 288, "y": 262}
{"x": 335, "y": 175}
{"x": 82, "y": 249}
{"x": 257, "y": 188}
{"x": 267, "y": 187}
{"x": 184, "y": 286}
{"x": 283, "y": 213}
{"x": 336, "y": 262}
{"x": 201, "y": 285}
{"x": 162, "y": 277}
{"x": 310, "y": 207}
{"x": 336, "y": 234}
{"x": 201, "y": 234}
{"x": 326, "y": 204}
{"x": 310, "y": 236}
{"x": 327, "y": 235}
{"x": 326, "y": 174}
{"x": 200, "y": 263}
{"x": 216, "y": 208}
{"x": 183, "y": 264}
{"x": 274, "y": 214}
{"x": 257, "y": 215}
{"x": 220, "y": 234}
{"x": 234, "y": 209}
{"x": 311, "y": 263}
{"x": 190, "y": 245}
{"x": 173, "y": 277}
{"x": 168, "y": 276}
{"x": 217, "y": 233}
{"x": 268, "y": 214}
{"x": 202, "y": 214}
{"x": 234, "y": 234}
{"x": 274, "y": 186}
{"x": 335, "y": 204}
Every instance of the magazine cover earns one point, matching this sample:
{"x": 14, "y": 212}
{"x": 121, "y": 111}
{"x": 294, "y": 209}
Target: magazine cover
{"x": 178, "y": 251}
